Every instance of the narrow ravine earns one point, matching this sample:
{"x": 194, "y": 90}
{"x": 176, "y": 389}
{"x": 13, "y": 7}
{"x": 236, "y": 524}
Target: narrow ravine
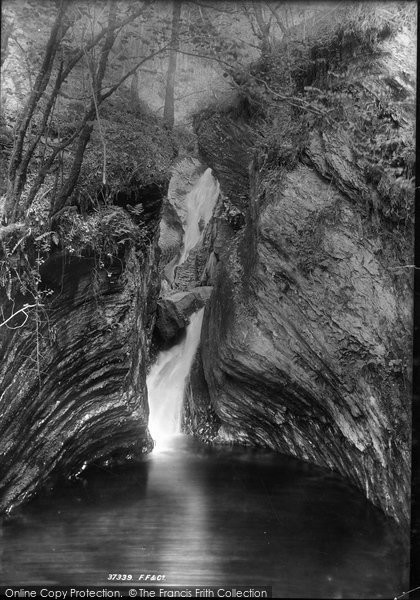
{"x": 206, "y": 297}
{"x": 166, "y": 380}
{"x": 205, "y": 515}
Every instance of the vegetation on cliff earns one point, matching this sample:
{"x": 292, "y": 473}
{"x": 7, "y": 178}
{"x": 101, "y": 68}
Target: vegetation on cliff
{"x": 87, "y": 167}
{"x": 306, "y": 343}
{"x": 322, "y": 81}
{"x": 71, "y": 155}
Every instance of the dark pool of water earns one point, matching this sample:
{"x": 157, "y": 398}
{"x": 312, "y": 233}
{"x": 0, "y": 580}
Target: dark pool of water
{"x": 207, "y": 516}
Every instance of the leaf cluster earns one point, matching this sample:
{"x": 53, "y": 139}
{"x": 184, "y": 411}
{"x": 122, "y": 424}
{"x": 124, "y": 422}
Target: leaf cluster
{"x": 139, "y": 150}
{"x": 104, "y": 233}
{"x": 22, "y": 254}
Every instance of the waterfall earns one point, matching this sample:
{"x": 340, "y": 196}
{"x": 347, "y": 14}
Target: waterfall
{"x": 199, "y": 205}
{"x": 166, "y": 380}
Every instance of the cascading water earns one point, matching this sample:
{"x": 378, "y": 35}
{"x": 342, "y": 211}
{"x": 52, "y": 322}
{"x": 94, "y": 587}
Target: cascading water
{"x": 200, "y": 204}
{"x": 166, "y": 380}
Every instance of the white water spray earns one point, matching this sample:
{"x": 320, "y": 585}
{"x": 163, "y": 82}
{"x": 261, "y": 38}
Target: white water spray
{"x": 199, "y": 204}
{"x": 166, "y": 380}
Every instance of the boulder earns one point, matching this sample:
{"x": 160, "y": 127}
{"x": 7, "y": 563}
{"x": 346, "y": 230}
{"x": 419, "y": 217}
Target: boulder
{"x": 174, "y": 310}
{"x": 170, "y": 237}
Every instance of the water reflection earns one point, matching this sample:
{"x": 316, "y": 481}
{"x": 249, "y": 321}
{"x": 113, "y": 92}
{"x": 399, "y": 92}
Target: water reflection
{"x": 206, "y": 516}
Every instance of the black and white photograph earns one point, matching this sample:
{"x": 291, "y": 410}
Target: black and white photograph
{"x": 207, "y": 268}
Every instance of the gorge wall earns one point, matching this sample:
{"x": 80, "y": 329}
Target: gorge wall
{"x": 74, "y": 393}
{"x": 306, "y": 338}
{"x": 306, "y": 341}
{"x": 83, "y": 280}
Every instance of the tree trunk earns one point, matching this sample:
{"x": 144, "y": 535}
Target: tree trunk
{"x": 6, "y": 30}
{"x": 263, "y": 27}
{"x": 169, "y": 109}
{"x": 134, "y": 90}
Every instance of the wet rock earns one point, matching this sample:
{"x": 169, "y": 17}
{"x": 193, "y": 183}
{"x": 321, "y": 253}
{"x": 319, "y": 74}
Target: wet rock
{"x": 189, "y": 274}
{"x": 185, "y": 174}
{"x": 74, "y": 392}
{"x": 174, "y": 310}
{"x": 170, "y": 235}
{"x": 201, "y": 266}
{"x": 300, "y": 340}
{"x": 198, "y": 416}
{"x": 225, "y": 145}
{"x": 306, "y": 340}
{"x": 170, "y": 243}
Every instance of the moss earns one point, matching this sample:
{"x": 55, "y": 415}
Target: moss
{"x": 103, "y": 232}
{"x": 140, "y": 150}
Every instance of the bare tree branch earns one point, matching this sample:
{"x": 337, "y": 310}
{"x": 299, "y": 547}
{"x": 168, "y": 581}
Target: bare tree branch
{"x": 18, "y": 164}
{"x": 263, "y": 26}
{"x": 39, "y": 87}
{"x": 114, "y": 87}
{"x": 101, "y": 134}
{"x": 169, "y": 108}
{"x": 84, "y": 137}
{"x": 21, "y": 310}
{"x": 117, "y": 26}
{"x": 292, "y": 100}
{"x": 277, "y": 17}
{"x": 219, "y": 60}
{"x": 57, "y": 32}
{"x": 23, "y": 167}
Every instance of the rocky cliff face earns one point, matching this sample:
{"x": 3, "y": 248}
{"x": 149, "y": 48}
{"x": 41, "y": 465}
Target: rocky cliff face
{"x": 75, "y": 393}
{"x": 306, "y": 342}
{"x": 186, "y": 287}
{"x": 174, "y": 310}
